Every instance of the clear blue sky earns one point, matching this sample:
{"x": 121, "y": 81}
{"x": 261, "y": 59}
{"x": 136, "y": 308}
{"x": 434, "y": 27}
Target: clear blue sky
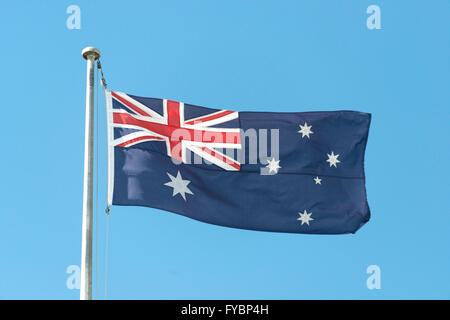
{"x": 243, "y": 55}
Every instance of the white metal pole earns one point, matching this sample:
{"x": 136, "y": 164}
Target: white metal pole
{"x": 90, "y": 54}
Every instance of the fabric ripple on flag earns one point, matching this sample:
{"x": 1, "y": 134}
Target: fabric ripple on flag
{"x": 204, "y": 164}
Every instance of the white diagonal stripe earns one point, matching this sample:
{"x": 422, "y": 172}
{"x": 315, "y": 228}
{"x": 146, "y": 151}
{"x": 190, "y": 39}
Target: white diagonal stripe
{"x": 135, "y": 135}
{"x": 139, "y": 105}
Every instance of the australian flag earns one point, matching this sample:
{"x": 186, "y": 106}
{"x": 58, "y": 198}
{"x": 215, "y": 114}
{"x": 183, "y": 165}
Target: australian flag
{"x": 300, "y": 172}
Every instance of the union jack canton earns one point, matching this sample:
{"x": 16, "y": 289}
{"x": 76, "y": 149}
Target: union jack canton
{"x": 180, "y": 129}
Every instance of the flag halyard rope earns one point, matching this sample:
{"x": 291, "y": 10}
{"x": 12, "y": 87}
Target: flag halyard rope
{"x": 107, "y": 209}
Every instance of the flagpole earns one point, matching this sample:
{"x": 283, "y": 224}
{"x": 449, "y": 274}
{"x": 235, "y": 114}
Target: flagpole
{"x": 90, "y": 54}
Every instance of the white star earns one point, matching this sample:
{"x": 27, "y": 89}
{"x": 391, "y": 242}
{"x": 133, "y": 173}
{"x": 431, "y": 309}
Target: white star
{"x": 273, "y": 165}
{"x": 305, "y": 130}
{"x": 179, "y": 185}
{"x": 318, "y": 180}
{"x": 333, "y": 159}
{"x": 305, "y": 217}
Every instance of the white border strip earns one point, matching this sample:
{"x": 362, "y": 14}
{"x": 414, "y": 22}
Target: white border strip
{"x": 228, "y": 117}
{"x": 213, "y": 159}
{"x": 110, "y": 130}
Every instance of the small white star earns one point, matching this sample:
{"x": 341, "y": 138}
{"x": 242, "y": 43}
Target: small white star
{"x": 305, "y": 217}
{"x": 179, "y": 185}
{"x": 273, "y": 165}
{"x": 305, "y": 130}
{"x": 333, "y": 159}
{"x": 318, "y": 180}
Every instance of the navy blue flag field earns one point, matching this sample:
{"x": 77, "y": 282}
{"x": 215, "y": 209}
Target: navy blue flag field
{"x": 300, "y": 172}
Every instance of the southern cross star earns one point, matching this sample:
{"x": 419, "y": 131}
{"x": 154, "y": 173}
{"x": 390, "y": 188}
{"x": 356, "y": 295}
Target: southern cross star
{"x": 305, "y": 130}
{"x": 318, "y": 180}
{"x": 179, "y": 185}
{"x": 273, "y": 165}
{"x": 333, "y": 159}
{"x": 305, "y": 217}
